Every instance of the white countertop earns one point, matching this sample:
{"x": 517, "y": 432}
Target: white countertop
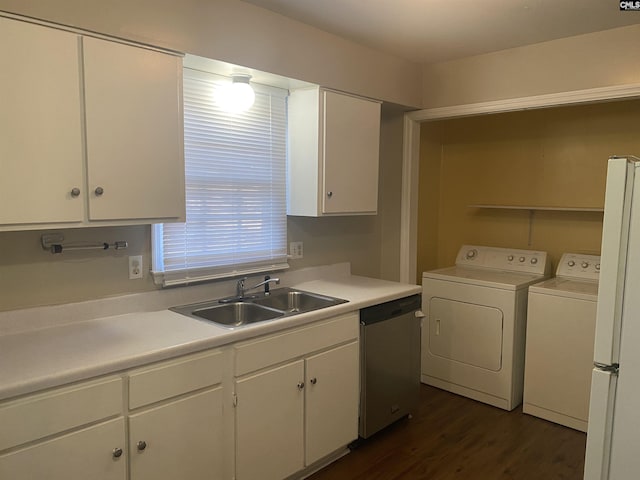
{"x": 41, "y": 358}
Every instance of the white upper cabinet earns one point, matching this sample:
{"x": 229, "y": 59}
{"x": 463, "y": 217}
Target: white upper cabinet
{"x": 133, "y": 108}
{"x": 91, "y": 131}
{"x": 41, "y": 155}
{"x": 333, "y": 153}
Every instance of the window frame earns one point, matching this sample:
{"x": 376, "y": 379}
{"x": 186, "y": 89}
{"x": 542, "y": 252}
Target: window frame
{"x": 277, "y": 258}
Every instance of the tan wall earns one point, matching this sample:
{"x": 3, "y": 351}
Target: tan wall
{"x": 30, "y": 276}
{"x": 243, "y": 34}
{"x": 600, "y": 59}
{"x": 552, "y": 157}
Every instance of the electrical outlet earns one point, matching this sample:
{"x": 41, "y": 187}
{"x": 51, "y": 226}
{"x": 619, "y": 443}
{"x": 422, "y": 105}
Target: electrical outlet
{"x": 135, "y": 267}
{"x": 295, "y": 250}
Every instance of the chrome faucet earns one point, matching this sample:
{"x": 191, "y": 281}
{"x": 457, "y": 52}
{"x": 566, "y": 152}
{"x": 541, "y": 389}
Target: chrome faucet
{"x": 241, "y": 289}
{"x": 267, "y": 280}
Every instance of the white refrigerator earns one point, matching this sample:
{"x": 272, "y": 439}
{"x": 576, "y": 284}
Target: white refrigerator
{"x": 613, "y": 436}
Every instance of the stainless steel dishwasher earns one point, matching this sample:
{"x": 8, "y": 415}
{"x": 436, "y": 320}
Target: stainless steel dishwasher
{"x": 389, "y": 363}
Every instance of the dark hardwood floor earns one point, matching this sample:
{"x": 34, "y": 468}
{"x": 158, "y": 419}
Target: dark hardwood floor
{"x": 453, "y": 437}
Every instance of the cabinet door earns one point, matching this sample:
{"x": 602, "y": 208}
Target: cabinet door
{"x": 350, "y": 157}
{"x": 182, "y": 439}
{"x": 269, "y": 423}
{"x": 40, "y": 125}
{"x": 86, "y": 454}
{"x": 332, "y": 396}
{"x": 133, "y": 101}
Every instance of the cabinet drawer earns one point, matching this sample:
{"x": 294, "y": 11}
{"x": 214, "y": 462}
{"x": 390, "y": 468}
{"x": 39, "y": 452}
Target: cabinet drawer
{"x": 278, "y": 348}
{"x": 40, "y": 415}
{"x": 173, "y": 378}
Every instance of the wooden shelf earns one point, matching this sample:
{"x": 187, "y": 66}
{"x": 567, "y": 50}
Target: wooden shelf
{"x": 540, "y": 208}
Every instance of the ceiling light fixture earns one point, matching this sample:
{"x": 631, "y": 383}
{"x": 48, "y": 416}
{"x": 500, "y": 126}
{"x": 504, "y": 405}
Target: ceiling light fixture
{"x": 237, "y": 96}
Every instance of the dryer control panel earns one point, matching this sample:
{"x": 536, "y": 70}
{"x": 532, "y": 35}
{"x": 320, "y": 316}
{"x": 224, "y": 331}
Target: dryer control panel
{"x": 577, "y": 265}
{"x": 506, "y": 259}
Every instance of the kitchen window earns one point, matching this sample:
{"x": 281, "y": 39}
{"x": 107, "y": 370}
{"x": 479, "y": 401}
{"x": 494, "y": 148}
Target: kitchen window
{"x": 235, "y": 179}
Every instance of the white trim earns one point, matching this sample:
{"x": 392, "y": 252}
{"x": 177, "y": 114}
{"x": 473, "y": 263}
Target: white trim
{"x": 409, "y": 202}
{"x": 411, "y": 149}
{"x": 592, "y": 95}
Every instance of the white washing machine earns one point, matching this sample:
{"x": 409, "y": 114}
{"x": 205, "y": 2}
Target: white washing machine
{"x": 473, "y": 336}
{"x": 560, "y": 337}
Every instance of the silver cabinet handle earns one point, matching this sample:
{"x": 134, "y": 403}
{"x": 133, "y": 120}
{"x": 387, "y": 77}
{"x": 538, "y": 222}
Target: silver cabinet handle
{"x": 99, "y": 191}
{"x": 75, "y": 192}
{"x": 300, "y": 385}
{"x": 313, "y": 381}
{"x": 141, "y": 445}
{"x": 117, "y": 452}
{"x": 329, "y": 194}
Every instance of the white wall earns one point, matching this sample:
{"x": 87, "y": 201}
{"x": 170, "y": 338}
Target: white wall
{"x": 601, "y": 59}
{"x": 237, "y": 32}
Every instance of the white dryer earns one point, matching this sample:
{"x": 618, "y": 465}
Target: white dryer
{"x": 473, "y": 336}
{"x": 560, "y": 337}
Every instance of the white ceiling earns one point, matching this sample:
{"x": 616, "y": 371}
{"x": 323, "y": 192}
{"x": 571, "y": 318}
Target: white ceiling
{"x": 428, "y": 31}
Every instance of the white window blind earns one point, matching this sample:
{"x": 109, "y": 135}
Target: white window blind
{"x": 235, "y": 174}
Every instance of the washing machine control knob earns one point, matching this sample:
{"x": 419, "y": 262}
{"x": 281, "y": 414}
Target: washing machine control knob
{"x": 534, "y": 260}
{"x": 522, "y": 259}
{"x": 510, "y": 258}
{"x": 471, "y": 254}
{"x": 585, "y": 264}
{"x": 598, "y": 266}
{"x": 571, "y": 263}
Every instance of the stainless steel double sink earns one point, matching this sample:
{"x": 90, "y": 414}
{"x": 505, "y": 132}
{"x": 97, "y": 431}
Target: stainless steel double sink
{"x": 282, "y": 302}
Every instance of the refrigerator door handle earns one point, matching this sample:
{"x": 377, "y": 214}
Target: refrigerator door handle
{"x": 603, "y": 391}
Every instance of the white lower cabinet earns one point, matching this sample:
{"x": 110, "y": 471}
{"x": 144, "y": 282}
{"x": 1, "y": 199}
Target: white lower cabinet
{"x": 295, "y": 413}
{"x": 68, "y": 433}
{"x": 175, "y": 419}
{"x": 266, "y": 408}
{"x": 173, "y": 411}
{"x": 332, "y": 397}
{"x": 179, "y": 440}
{"x": 270, "y": 422}
{"x": 92, "y": 453}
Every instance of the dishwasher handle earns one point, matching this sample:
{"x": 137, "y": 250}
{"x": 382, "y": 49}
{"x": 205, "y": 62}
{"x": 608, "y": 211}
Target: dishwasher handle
{"x": 392, "y": 309}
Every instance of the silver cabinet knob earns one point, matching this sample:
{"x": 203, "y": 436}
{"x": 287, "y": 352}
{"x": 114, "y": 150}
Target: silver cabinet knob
{"x": 300, "y": 385}
{"x": 329, "y": 194}
{"x": 75, "y": 192}
{"x": 117, "y": 452}
{"x": 99, "y": 191}
{"x": 313, "y": 381}
{"x": 141, "y": 445}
